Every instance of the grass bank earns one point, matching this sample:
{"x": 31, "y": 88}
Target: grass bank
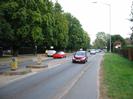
{"x": 117, "y": 78}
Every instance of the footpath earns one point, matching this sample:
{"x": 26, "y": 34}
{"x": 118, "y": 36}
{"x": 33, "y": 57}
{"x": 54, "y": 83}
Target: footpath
{"x": 6, "y": 79}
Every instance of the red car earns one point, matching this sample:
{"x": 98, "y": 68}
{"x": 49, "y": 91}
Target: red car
{"x": 80, "y": 56}
{"x": 60, "y": 54}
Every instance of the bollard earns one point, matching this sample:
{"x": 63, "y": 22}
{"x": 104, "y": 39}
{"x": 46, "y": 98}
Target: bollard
{"x": 14, "y": 63}
{"x": 39, "y": 59}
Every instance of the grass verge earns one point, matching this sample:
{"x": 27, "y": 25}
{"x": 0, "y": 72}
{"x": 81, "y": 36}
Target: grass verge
{"x": 117, "y": 80}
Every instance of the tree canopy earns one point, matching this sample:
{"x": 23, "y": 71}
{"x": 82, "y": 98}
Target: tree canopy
{"x": 39, "y": 23}
{"x": 132, "y": 22}
{"x": 101, "y": 40}
{"x": 115, "y": 38}
{"x": 77, "y": 37}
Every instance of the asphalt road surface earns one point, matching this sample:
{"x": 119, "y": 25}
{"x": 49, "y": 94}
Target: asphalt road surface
{"x": 66, "y": 81}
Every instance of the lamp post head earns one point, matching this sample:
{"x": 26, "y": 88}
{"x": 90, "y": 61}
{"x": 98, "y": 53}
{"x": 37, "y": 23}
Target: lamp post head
{"x": 94, "y": 2}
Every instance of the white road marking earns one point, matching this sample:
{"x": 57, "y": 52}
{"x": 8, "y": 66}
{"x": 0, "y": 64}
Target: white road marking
{"x": 23, "y": 76}
{"x": 72, "y": 83}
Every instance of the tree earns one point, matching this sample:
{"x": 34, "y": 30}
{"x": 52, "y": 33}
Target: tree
{"x": 60, "y": 28}
{"x": 77, "y": 37}
{"x": 116, "y": 38}
{"x": 48, "y": 24}
{"x": 131, "y": 37}
{"x": 86, "y": 41}
{"x": 23, "y": 18}
{"x": 101, "y": 40}
{"x": 39, "y": 23}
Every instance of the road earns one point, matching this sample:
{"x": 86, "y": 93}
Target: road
{"x": 66, "y": 81}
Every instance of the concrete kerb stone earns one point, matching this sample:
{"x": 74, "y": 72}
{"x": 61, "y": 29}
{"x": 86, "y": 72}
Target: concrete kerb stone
{"x": 37, "y": 66}
{"x": 21, "y": 71}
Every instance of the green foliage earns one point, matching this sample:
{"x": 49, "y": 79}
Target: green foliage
{"x": 118, "y": 77}
{"x": 101, "y": 40}
{"x": 24, "y": 19}
{"x": 60, "y": 28}
{"x": 41, "y": 23}
{"x": 131, "y": 37}
{"x": 37, "y": 33}
{"x": 128, "y": 46}
{"x": 115, "y": 38}
{"x": 78, "y": 38}
{"x": 6, "y": 33}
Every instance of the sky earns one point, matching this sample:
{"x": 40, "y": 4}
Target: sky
{"x": 95, "y": 17}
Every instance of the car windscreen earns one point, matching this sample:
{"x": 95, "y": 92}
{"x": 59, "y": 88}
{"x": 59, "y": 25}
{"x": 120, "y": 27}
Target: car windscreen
{"x": 60, "y": 52}
{"x": 80, "y": 53}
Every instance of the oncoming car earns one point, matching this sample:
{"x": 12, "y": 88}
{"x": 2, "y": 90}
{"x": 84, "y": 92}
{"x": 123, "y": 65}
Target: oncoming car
{"x": 80, "y": 56}
{"x": 93, "y": 51}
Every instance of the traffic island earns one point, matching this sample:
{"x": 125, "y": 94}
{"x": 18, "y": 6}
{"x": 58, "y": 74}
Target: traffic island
{"x": 21, "y": 71}
{"x": 37, "y": 66}
{"x": 38, "y": 63}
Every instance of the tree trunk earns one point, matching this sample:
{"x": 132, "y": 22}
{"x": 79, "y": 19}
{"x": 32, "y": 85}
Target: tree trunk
{"x": 15, "y": 51}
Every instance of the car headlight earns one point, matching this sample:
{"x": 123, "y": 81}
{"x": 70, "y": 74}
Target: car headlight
{"x": 73, "y": 58}
{"x": 83, "y": 58}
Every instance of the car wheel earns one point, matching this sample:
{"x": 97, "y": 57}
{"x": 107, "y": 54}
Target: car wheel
{"x": 84, "y": 62}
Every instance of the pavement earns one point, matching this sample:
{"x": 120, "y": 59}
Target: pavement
{"x": 10, "y": 76}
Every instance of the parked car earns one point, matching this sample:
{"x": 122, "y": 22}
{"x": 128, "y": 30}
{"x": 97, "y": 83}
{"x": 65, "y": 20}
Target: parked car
{"x": 60, "y": 54}
{"x": 50, "y": 52}
{"x": 80, "y": 56}
{"x": 93, "y": 51}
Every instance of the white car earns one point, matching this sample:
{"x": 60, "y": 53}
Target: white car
{"x": 93, "y": 51}
{"x": 50, "y": 52}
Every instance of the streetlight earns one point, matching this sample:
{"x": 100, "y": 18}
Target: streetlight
{"x": 109, "y": 5}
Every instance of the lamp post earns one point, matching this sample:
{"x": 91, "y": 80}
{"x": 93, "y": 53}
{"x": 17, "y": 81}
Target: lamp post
{"x": 109, "y": 5}
{"x": 35, "y": 49}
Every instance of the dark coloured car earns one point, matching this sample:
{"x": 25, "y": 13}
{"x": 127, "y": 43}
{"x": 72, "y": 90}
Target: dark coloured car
{"x": 80, "y": 57}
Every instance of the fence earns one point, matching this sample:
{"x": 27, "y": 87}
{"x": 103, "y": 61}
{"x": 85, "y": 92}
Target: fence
{"x": 125, "y": 52}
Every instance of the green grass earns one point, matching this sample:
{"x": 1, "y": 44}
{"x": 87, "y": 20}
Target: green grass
{"x": 118, "y": 76}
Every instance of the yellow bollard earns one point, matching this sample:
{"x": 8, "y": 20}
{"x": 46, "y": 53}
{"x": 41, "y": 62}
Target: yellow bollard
{"x": 14, "y": 63}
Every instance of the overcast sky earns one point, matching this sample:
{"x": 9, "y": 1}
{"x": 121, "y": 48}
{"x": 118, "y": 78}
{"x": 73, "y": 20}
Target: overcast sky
{"x": 95, "y": 17}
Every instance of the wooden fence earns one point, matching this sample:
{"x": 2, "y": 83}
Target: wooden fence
{"x": 125, "y": 52}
